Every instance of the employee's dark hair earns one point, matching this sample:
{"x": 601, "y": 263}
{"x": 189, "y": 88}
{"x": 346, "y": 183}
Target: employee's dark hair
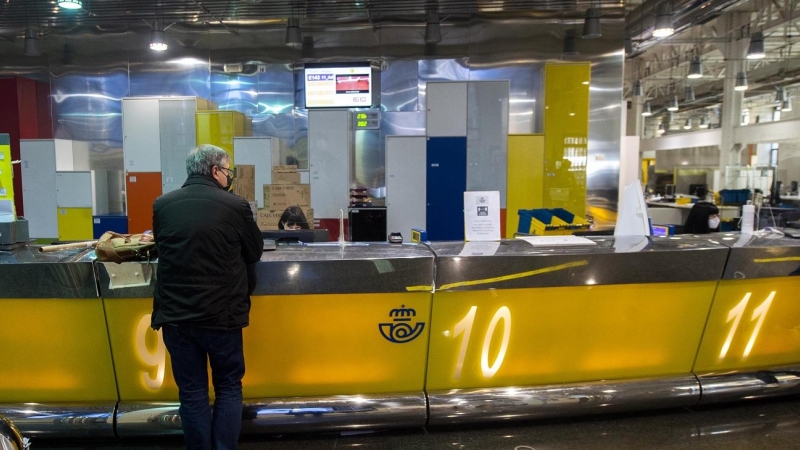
{"x": 293, "y": 215}
{"x": 697, "y": 222}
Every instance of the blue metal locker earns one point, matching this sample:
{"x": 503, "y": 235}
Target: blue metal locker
{"x": 446, "y": 183}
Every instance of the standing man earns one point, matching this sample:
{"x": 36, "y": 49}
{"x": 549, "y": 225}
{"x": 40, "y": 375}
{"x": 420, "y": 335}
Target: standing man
{"x": 208, "y": 244}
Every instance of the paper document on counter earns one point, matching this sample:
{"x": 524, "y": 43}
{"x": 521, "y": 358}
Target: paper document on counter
{"x": 545, "y": 241}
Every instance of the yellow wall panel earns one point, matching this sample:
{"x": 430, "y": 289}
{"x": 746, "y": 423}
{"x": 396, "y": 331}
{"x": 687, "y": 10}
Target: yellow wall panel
{"x": 525, "y": 177}
{"x": 566, "y": 131}
{"x": 295, "y": 346}
{"x": 75, "y": 224}
{"x": 753, "y": 324}
{"x": 220, "y": 127}
{"x": 55, "y": 350}
{"x": 6, "y": 174}
{"x": 524, "y": 337}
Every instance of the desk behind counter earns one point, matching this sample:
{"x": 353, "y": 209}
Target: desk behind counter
{"x": 377, "y": 335}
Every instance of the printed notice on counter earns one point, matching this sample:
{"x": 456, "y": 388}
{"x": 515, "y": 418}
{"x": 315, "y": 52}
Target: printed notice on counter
{"x": 480, "y": 248}
{"x": 546, "y": 241}
{"x": 482, "y": 215}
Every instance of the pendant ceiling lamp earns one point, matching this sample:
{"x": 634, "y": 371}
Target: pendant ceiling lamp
{"x": 741, "y": 82}
{"x": 31, "y": 43}
{"x": 695, "y": 68}
{"x": 756, "y": 49}
{"x": 158, "y": 40}
{"x": 638, "y": 88}
{"x": 689, "y": 96}
{"x": 570, "y": 48}
{"x": 664, "y": 27}
{"x": 293, "y": 35}
{"x": 433, "y": 30}
{"x": 703, "y": 122}
{"x": 70, "y": 4}
{"x": 646, "y": 110}
{"x": 673, "y": 106}
{"x": 591, "y": 24}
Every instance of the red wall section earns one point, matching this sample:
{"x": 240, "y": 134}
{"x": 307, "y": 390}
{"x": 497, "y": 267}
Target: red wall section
{"x": 9, "y": 123}
{"x": 43, "y": 110}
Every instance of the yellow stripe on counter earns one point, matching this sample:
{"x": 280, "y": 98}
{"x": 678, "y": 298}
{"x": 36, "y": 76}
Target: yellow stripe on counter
{"x": 513, "y": 276}
{"x": 771, "y": 260}
{"x": 419, "y": 288}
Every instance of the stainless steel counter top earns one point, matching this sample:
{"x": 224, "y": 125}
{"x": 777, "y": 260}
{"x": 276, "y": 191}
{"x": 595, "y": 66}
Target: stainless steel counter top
{"x": 26, "y": 273}
{"x": 518, "y": 264}
{"x": 762, "y": 255}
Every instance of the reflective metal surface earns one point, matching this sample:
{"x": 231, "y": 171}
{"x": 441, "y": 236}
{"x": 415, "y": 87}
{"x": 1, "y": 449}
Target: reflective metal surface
{"x": 317, "y": 269}
{"x": 282, "y": 415}
{"x": 730, "y": 387}
{"x": 761, "y": 255}
{"x": 26, "y": 273}
{"x": 10, "y": 437}
{"x": 80, "y": 420}
{"x": 536, "y": 402}
{"x": 517, "y": 264}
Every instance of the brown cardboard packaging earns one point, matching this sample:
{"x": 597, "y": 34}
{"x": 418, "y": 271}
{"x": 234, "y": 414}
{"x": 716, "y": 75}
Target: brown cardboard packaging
{"x": 285, "y": 177}
{"x": 268, "y": 219}
{"x": 288, "y": 168}
{"x": 244, "y": 185}
{"x": 281, "y": 196}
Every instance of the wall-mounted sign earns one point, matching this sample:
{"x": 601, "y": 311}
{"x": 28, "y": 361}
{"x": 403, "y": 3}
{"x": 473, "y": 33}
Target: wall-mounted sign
{"x": 367, "y": 119}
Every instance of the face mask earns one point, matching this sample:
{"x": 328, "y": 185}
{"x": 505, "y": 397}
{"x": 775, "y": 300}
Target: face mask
{"x": 229, "y": 178}
{"x": 713, "y": 223}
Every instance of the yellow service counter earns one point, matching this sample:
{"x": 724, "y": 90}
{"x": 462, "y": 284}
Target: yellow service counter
{"x": 376, "y": 336}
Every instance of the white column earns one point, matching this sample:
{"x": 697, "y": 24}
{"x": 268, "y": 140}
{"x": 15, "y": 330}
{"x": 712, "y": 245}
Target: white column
{"x": 734, "y": 50}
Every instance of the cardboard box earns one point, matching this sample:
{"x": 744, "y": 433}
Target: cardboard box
{"x": 268, "y": 219}
{"x": 245, "y": 171}
{"x": 285, "y": 177}
{"x": 245, "y": 188}
{"x": 282, "y": 196}
{"x": 289, "y": 168}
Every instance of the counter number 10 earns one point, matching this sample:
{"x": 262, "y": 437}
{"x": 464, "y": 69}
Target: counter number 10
{"x": 464, "y": 327}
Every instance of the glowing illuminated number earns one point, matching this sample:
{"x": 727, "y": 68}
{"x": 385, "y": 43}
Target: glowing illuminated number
{"x": 505, "y": 314}
{"x": 736, "y": 314}
{"x": 465, "y": 326}
{"x": 157, "y": 359}
{"x": 362, "y": 123}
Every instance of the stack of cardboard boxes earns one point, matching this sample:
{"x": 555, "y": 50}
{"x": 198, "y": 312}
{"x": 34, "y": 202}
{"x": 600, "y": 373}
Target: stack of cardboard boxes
{"x": 245, "y": 183}
{"x": 285, "y": 191}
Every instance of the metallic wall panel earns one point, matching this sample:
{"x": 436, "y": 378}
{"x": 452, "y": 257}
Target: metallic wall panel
{"x": 184, "y": 76}
{"x": 62, "y": 420}
{"x": 487, "y": 137}
{"x": 525, "y": 403}
{"x": 288, "y": 415}
{"x": 517, "y": 264}
{"x": 315, "y": 269}
{"x": 760, "y": 257}
{"x": 399, "y": 87}
{"x": 29, "y": 274}
{"x": 730, "y": 387}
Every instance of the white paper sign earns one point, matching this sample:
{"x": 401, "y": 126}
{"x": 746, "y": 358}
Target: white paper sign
{"x": 547, "y": 241}
{"x": 482, "y": 215}
{"x": 479, "y": 249}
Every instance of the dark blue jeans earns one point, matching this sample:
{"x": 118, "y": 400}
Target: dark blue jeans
{"x": 190, "y": 349}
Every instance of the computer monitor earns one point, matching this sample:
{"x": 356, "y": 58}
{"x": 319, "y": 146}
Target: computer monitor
{"x": 669, "y": 191}
{"x": 698, "y": 190}
{"x": 295, "y": 236}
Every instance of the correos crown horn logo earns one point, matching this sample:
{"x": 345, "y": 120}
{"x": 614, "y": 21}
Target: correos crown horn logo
{"x": 400, "y": 330}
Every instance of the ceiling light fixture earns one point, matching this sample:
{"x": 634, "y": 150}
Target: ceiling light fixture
{"x": 673, "y": 106}
{"x": 638, "y": 88}
{"x": 158, "y": 41}
{"x": 787, "y": 104}
{"x": 689, "y": 95}
{"x": 31, "y": 43}
{"x": 591, "y": 24}
{"x": 569, "y": 46}
{"x": 703, "y": 123}
{"x": 70, "y": 4}
{"x": 661, "y": 128}
{"x": 741, "y": 82}
{"x": 688, "y": 124}
{"x": 695, "y": 68}
{"x": 433, "y": 31}
{"x": 646, "y": 110}
{"x": 756, "y": 49}
{"x": 293, "y": 35}
{"x": 663, "y": 27}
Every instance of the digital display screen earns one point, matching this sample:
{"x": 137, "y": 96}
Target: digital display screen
{"x": 338, "y": 85}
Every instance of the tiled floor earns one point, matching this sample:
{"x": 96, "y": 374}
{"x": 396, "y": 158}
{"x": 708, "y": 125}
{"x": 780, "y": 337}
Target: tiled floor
{"x": 772, "y": 425}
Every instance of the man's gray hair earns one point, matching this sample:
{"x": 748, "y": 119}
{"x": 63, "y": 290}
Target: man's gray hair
{"x": 203, "y": 157}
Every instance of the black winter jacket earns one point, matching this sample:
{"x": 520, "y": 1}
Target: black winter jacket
{"x": 207, "y": 244}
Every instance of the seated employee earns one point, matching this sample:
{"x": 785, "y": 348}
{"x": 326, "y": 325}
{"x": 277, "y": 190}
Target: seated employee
{"x": 293, "y": 219}
{"x": 703, "y": 218}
